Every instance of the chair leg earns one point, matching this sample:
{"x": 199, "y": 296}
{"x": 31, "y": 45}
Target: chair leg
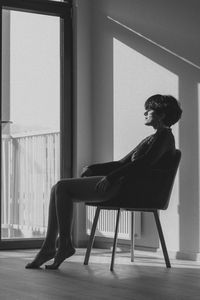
{"x": 132, "y": 235}
{"x": 92, "y": 236}
{"x": 162, "y": 240}
{"x": 115, "y": 241}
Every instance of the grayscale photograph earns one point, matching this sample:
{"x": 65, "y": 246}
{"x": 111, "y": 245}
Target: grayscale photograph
{"x": 99, "y": 150}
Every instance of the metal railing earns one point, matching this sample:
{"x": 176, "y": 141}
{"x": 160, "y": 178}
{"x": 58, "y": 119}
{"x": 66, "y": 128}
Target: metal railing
{"x": 30, "y": 166}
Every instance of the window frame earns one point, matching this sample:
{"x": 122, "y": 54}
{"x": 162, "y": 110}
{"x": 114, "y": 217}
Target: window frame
{"x": 64, "y": 11}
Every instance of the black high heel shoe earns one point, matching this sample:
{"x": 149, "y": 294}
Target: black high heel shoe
{"x": 59, "y": 258}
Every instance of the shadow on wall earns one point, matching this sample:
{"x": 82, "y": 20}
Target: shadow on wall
{"x": 186, "y": 75}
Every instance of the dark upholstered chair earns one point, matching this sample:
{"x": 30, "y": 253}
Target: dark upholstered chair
{"x": 148, "y": 198}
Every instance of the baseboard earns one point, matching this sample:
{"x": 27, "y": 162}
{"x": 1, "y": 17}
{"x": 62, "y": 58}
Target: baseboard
{"x": 195, "y": 256}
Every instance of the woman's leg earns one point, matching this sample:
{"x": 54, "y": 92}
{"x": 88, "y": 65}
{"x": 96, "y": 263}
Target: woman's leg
{"x": 48, "y": 249}
{"x": 52, "y": 226}
{"x": 69, "y": 191}
{"x": 63, "y": 194}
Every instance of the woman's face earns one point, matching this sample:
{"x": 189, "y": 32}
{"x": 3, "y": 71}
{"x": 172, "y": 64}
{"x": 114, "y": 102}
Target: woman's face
{"x": 152, "y": 118}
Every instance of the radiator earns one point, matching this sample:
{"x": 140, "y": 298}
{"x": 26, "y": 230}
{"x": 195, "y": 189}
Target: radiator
{"x": 107, "y": 221}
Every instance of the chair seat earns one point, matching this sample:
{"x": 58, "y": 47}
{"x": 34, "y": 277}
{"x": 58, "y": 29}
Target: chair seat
{"x": 116, "y": 207}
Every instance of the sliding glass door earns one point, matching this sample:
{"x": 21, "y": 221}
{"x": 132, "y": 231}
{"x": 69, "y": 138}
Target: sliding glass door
{"x": 35, "y": 115}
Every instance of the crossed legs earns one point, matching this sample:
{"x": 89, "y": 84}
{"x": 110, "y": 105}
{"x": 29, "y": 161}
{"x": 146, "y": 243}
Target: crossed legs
{"x": 63, "y": 195}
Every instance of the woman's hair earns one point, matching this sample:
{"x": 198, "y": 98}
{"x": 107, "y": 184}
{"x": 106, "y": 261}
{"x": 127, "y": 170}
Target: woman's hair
{"x": 167, "y": 105}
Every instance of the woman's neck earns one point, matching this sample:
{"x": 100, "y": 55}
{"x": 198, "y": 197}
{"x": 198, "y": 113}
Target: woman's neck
{"x": 159, "y": 128}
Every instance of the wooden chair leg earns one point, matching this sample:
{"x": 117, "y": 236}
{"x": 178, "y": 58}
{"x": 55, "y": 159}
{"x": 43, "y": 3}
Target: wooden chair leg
{"x": 92, "y": 236}
{"x": 162, "y": 240}
{"x": 115, "y": 241}
{"x": 132, "y": 235}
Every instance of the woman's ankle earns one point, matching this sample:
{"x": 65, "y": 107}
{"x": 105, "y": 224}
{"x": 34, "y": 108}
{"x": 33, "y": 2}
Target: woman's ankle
{"x": 48, "y": 247}
{"x": 65, "y": 243}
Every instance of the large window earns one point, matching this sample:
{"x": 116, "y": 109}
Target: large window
{"x": 36, "y": 95}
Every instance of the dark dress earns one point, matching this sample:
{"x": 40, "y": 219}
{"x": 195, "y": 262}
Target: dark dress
{"x": 136, "y": 171}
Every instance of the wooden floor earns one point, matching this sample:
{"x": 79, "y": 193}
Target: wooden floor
{"x": 145, "y": 279}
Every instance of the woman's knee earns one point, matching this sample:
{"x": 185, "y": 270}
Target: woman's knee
{"x": 61, "y": 187}
{"x": 53, "y": 189}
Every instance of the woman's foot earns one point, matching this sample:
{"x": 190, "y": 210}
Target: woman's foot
{"x": 60, "y": 256}
{"x": 40, "y": 259}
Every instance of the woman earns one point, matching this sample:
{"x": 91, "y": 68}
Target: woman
{"x": 104, "y": 182}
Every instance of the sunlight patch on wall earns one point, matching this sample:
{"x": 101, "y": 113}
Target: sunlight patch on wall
{"x": 135, "y": 78}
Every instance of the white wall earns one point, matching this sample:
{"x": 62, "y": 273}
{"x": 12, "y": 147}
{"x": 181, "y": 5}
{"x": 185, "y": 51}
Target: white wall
{"x": 160, "y": 37}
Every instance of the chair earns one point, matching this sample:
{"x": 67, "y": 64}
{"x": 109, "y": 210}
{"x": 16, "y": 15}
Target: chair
{"x": 159, "y": 200}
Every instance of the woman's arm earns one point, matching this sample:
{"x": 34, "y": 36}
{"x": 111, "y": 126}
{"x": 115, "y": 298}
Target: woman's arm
{"x": 103, "y": 169}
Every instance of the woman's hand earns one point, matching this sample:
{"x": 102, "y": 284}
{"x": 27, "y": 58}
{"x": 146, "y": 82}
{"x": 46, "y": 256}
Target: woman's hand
{"x": 103, "y": 185}
{"x": 86, "y": 172}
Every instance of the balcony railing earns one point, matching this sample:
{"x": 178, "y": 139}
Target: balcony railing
{"x": 30, "y": 166}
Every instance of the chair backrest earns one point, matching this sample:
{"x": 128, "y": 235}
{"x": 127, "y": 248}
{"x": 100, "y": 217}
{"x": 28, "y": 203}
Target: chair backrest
{"x": 149, "y": 193}
{"x": 166, "y": 189}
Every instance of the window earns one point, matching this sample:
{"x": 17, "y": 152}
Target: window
{"x": 36, "y": 115}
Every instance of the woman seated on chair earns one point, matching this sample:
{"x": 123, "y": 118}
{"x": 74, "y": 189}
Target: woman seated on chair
{"x": 102, "y": 182}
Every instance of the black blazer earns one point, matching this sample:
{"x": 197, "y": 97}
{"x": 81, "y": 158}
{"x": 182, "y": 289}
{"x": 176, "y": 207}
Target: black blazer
{"x": 153, "y": 152}
{"x": 138, "y": 171}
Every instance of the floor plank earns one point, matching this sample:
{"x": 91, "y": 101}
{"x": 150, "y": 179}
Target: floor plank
{"x": 145, "y": 279}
